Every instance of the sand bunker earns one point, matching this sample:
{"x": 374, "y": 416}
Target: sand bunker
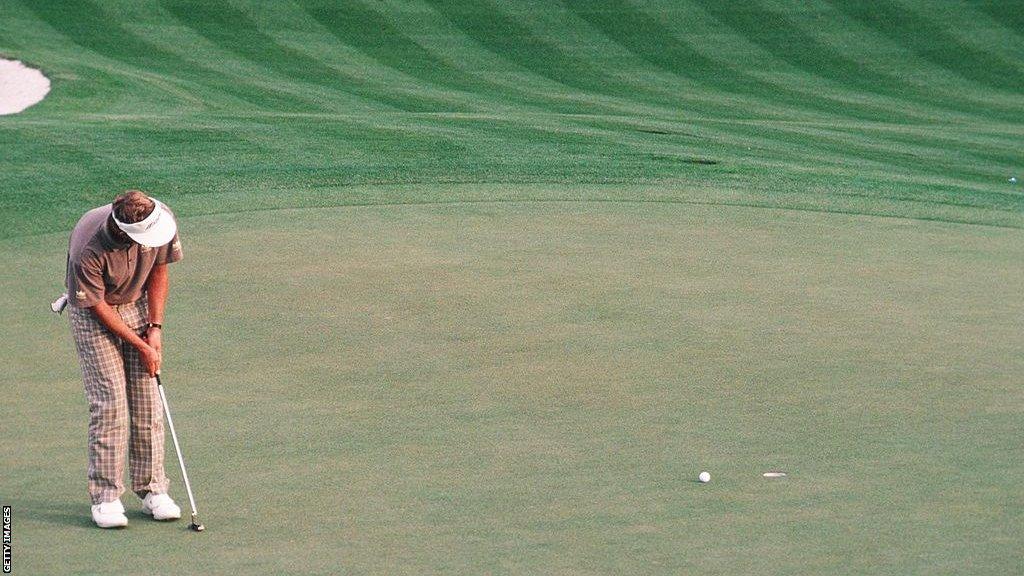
{"x": 20, "y": 86}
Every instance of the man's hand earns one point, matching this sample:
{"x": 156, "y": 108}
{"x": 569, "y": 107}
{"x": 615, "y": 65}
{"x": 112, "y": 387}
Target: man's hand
{"x": 151, "y": 358}
{"x": 149, "y": 355}
{"x": 154, "y": 337}
{"x": 155, "y": 340}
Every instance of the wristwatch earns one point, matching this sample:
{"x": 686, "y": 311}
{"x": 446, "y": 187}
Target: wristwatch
{"x": 154, "y": 325}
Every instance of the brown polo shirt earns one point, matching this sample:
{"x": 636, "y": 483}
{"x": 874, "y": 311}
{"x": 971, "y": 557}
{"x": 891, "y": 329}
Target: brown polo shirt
{"x": 100, "y": 267}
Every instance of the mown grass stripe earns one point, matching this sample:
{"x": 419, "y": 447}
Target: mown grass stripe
{"x": 619, "y": 21}
{"x": 886, "y": 55}
{"x": 1007, "y": 13}
{"x": 934, "y": 43}
{"x": 293, "y": 27}
{"x": 88, "y": 25}
{"x": 233, "y": 30}
{"x": 507, "y": 37}
{"x": 442, "y": 37}
{"x": 775, "y": 31}
{"x": 363, "y": 28}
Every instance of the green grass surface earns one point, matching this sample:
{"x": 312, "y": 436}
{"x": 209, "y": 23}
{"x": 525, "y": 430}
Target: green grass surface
{"x": 481, "y": 287}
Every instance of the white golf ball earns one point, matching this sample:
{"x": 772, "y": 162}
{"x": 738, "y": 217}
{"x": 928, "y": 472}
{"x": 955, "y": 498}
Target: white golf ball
{"x": 1013, "y": 180}
{"x": 704, "y": 477}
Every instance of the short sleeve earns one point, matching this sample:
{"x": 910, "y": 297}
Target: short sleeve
{"x": 85, "y": 281}
{"x": 171, "y": 252}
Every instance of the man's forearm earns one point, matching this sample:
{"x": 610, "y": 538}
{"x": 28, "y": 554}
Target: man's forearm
{"x": 156, "y": 293}
{"x": 112, "y": 320}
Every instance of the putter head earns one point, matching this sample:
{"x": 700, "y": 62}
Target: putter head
{"x": 196, "y": 525}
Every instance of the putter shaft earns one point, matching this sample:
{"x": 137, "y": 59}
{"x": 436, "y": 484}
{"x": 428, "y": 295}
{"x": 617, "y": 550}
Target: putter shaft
{"x": 181, "y": 460}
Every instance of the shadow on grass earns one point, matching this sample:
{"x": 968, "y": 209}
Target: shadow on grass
{"x": 73, "y": 514}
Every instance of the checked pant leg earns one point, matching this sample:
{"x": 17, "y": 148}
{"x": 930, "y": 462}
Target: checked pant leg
{"x": 146, "y": 445}
{"x": 99, "y": 353}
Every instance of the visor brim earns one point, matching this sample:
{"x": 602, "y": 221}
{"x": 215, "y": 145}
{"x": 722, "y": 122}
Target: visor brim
{"x": 159, "y": 234}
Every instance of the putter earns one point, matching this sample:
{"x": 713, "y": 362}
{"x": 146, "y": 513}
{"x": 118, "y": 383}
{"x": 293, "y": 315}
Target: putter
{"x": 196, "y": 525}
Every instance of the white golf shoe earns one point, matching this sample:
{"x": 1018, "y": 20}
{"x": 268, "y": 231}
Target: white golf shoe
{"x": 160, "y": 507}
{"x": 109, "y": 514}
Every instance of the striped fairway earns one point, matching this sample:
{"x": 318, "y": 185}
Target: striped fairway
{"x": 479, "y": 287}
{"x": 896, "y": 108}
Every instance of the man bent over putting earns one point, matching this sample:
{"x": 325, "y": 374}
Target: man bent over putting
{"x": 117, "y": 286}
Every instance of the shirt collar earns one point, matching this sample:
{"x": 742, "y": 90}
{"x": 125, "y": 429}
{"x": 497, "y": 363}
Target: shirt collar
{"x": 107, "y": 238}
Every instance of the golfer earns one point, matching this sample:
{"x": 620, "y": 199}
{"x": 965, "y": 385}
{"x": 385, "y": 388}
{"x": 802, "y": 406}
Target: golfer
{"x": 117, "y": 286}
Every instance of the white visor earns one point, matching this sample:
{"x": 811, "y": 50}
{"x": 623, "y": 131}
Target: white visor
{"x": 154, "y": 230}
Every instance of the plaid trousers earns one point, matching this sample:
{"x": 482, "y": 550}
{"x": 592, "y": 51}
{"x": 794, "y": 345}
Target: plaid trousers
{"x": 125, "y": 412}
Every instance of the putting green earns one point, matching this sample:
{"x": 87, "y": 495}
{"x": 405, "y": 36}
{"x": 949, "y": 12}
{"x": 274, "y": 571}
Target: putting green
{"x": 533, "y": 387}
{"x": 481, "y": 287}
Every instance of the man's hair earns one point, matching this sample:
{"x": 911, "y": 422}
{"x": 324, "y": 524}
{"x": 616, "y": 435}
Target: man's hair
{"x": 132, "y": 206}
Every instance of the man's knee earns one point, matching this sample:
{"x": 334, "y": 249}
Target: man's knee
{"x": 108, "y": 413}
